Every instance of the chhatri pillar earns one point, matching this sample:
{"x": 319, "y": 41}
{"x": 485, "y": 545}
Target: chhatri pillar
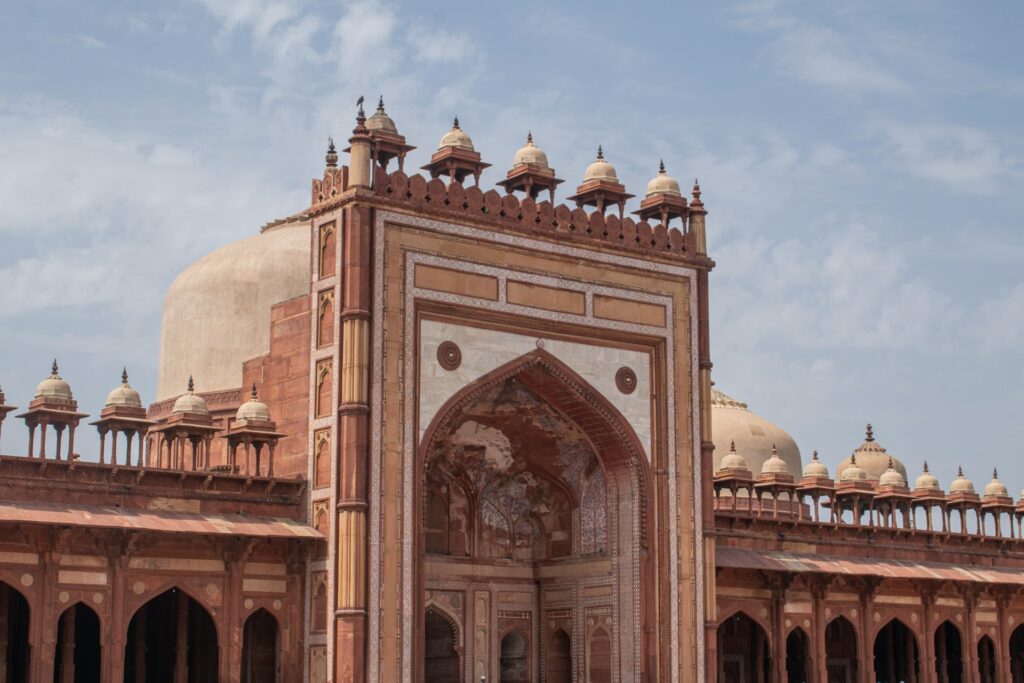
{"x": 530, "y": 172}
{"x": 456, "y": 157}
{"x": 601, "y": 187}
{"x": 53, "y": 406}
{"x": 123, "y": 414}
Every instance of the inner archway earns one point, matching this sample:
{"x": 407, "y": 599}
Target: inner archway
{"x": 896, "y": 655}
{"x": 259, "y": 648}
{"x": 1017, "y": 654}
{"x": 514, "y": 665}
{"x": 531, "y": 479}
{"x": 987, "y": 664}
{"x": 797, "y": 657}
{"x": 841, "y": 651}
{"x": 559, "y": 660}
{"x": 744, "y": 651}
{"x": 171, "y": 634}
{"x": 441, "y": 659}
{"x": 949, "y": 666}
{"x": 77, "y": 655}
{"x": 14, "y": 623}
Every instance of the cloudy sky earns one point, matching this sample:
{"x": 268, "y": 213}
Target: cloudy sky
{"x": 862, "y": 165}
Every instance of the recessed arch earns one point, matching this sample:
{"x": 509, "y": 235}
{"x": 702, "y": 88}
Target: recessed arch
{"x": 440, "y": 649}
{"x": 949, "y": 653}
{"x": 841, "y": 649}
{"x": 260, "y": 648}
{"x": 896, "y": 653}
{"x": 156, "y": 631}
{"x": 514, "y": 659}
{"x": 559, "y": 657}
{"x": 988, "y": 662}
{"x": 798, "y": 659}
{"x": 744, "y": 649}
{"x": 78, "y": 648}
{"x": 15, "y": 617}
{"x": 1017, "y": 654}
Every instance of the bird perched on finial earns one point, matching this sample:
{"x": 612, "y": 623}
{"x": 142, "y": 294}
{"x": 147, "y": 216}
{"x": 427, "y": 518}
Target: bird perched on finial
{"x": 359, "y": 104}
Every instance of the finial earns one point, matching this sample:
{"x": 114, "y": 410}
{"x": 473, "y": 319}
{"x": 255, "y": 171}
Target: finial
{"x": 600, "y": 153}
{"x": 124, "y": 376}
{"x": 870, "y": 433}
{"x": 732, "y": 446}
{"x": 995, "y": 474}
{"x": 696, "y": 189}
{"x": 455, "y": 124}
{"x": 53, "y": 368}
{"x": 191, "y": 385}
{"x": 853, "y": 459}
{"x": 529, "y": 137}
{"x": 661, "y": 166}
{"x": 775, "y": 451}
{"x": 814, "y": 456}
{"x": 253, "y": 394}
{"x": 332, "y": 153}
{"x": 960, "y": 472}
{"x": 380, "y": 104}
{"x": 926, "y": 466}
{"x": 890, "y": 463}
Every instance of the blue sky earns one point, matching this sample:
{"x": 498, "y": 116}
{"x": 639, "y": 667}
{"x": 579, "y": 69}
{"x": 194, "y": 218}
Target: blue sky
{"x": 862, "y": 164}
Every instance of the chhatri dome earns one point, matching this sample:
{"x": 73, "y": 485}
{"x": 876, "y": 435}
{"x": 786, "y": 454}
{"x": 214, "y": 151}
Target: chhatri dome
{"x": 815, "y": 469}
{"x": 996, "y": 488}
{"x": 600, "y": 169}
{"x": 54, "y": 386}
{"x": 253, "y": 410}
{"x": 733, "y": 460}
{"x": 853, "y": 471}
{"x": 774, "y": 464}
{"x": 456, "y": 137}
{"x": 190, "y": 402}
{"x": 873, "y": 459}
{"x": 961, "y": 484}
{"x": 663, "y": 183}
{"x": 123, "y": 395}
{"x": 217, "y": 311}
{"x": 381, "y": 121}
{"x": 892, "y": 476}
{"x": 531, "y": 154}
{"x": 752, "y": 436}
{"x": 927, "y": 481}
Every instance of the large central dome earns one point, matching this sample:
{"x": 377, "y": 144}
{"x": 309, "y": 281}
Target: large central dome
{"x": 217, "y": 312}
{"x": 733, "y": 423}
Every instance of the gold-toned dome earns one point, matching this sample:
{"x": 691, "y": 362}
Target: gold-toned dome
{"x": 123, "y": 394}
{"x": 873, "y": 459}
{"x": 253, "y": 410}
{"x": 927, "y": 481}
{"x": 531, "y": 154}
{"x": 733, "y": 422}
{"x": 601, "y": 169}
{"x": 733, "y": 460}
{"x": 892, "y": 477}
{"x": 996, "y": 488}
{"x": 456, "y": 137}
{"x": 381, "y": 121}
{"x": 853, "y": 472}
{"x": 663, "y": 183}
{"x": 774, "y": 464}
{"x": 190, "y": 402}
{"x": 54, "y": 386}
{"x": 815, "y": 469}
{"x": 961, "y": 484}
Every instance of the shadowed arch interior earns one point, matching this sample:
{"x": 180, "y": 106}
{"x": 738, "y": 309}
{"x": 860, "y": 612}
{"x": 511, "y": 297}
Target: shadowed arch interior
{"x": 152, "y": 653}
{"x": 896, "y": 654}
{"x": 744, "y": 650}
{"x": 797, "y": 657}
{"x": 260, "y": 648}
{"x": 441, "y": 658}
{"x": 78, "y": 650}
{"x": 949, "y": 664}
{"x": 14, "y": 629}
{"x": 841, "y": 650}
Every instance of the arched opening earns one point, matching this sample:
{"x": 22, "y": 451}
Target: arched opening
{"x": 1017, "y": 654}
{"x": 170, "y": 634}
{"x": 526, "y": 470}
{"x": 77, "y": 656}
{"x": 798, "y": 662}
{"x": 949, "y": 666}
{"x": 14, "y": 647}
{"x": 441, "y": 659}
{"x": 896, "y": 654}
{"x": 599, "y": 656}
{"x": 327, "y": 250}
{"x": 987, "y": 663}
{"x": 559, "y": 659}
{"x": 514, "y": 664}
{"x": 259, "y": 648}
{"x": 744, "y": 652}
{"x": 841, "y": 651}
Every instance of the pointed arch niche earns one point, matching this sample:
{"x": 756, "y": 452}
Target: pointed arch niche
{"x": 529, "y": 478}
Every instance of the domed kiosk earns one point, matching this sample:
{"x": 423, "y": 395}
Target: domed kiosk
{"x": 753, "y": 437}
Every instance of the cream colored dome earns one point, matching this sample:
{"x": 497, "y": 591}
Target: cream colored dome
{"x": 456, "y": 137}
{"x": 927, "y": 481}
{"x": 873, "y": 459}
{"x": 815, "y": 469}
{"x": 123, "y": 394}
{"x": 381, "y": 121}
{"x": 190, "y": 402}
{"x": 601, "y": 169}
{"x": 531, "y": 154}
{"x": 254, "y": 409}
{"x": 774, "y": 464}
{"x": 733, "y": 460}
{"x": 53, "y": 386}
{"x": 217, "y": 311}
{"x": 753, "y": 436}
{"x": 961, "y": 484}
{"x": 892, "y": 477}
{"x": 853, "y": 472}
{"x": 663, "y": 183}
{"x": 996, "y": 488}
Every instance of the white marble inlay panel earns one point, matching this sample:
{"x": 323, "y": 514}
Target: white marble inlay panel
{"x": 484, "y": 350}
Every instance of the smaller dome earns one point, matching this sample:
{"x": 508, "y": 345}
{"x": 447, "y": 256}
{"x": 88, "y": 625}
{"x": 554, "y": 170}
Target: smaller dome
{"x": 853, "y": 472}
{"x": 961, "y": 484}
{"x": 892, "y": 477}
{"x": 53, "y": 386}
{"x": 381, "y": 121}
{"x": 531, "y": 154}
{"x": 815, "y": 468}
{"x": 190, "y": 402}
{"x": 663, "y": 183}
{"x": 456, "y": 137}
{"x": 123, "y": 394}
{"x": 601, "y": 169}
{"x": 254, "y": 409}
{"x": 733, "y": 460}
{"x": 774, "y": 464}
{"x": 927, "y": 481}
{"x": 996, "y": 488}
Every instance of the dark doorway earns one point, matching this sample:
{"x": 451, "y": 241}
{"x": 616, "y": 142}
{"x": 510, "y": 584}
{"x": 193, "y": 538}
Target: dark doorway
{"x": 987, "y": 669}
{"x": 896, "y": 655}
{"x": 259, "y": 648}
{"x": 515, "y": 665}
{"x": 442, "y": 659}
{"x": 1017, "y": 654}
{"x": 77, "y": 657}
{"x": 841, "y": 651}
{"x": 798, "y": 661}
{"x": 171, "y": 631}
{"x": 949, "y": 666}
{"x": 559, "y": 664}
{"x": 14, "y": 647}
{"x": 744, "y": 651}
